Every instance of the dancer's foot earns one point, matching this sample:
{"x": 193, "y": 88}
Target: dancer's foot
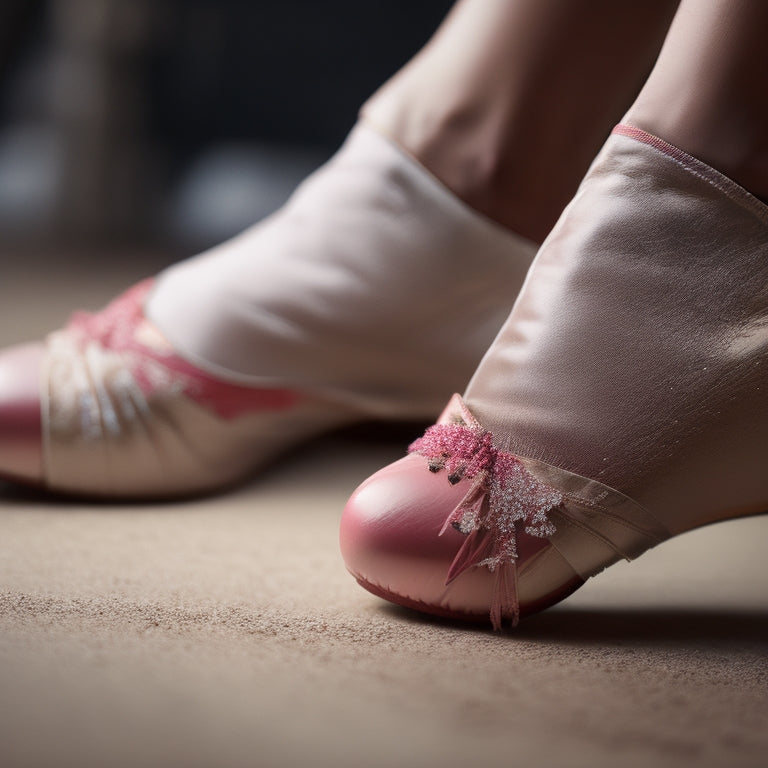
{"x": 349, "y": 304}
{"x": 623, "y": 402}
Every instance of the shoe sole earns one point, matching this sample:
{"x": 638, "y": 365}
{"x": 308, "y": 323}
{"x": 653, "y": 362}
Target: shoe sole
{"x": 464, "y": 616}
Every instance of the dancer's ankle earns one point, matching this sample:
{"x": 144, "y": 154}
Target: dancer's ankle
{"x": 705, "y": 94}
{"x": 462, "y": 146}
{"x": 509, "y": 102}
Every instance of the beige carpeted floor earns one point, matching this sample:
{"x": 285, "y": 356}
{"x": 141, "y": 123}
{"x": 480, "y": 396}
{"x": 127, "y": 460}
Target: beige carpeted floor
{"x": 225, "y": 632}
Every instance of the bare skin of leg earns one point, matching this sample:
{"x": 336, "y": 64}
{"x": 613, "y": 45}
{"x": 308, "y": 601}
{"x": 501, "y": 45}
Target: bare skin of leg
{"x": 707, "y": 92}
{"x": 510, "y": 101}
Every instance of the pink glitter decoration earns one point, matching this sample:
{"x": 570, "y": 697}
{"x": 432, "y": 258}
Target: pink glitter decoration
{"x": 502, "y": 496}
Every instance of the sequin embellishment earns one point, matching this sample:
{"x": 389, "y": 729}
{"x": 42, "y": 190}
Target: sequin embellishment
{"x": 503, "y": 495}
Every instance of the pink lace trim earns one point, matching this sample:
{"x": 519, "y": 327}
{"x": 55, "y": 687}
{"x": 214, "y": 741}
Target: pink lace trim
{"x": 502, "y": 497}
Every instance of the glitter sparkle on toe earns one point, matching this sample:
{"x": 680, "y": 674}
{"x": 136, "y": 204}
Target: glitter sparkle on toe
{"x": 502, "y": 496}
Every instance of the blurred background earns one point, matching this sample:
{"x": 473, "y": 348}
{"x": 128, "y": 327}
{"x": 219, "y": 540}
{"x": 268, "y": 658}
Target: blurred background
{"x": 161, "y": 127}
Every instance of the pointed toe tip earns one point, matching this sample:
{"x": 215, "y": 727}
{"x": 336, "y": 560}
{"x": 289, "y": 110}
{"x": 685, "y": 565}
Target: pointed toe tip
{"x": 395, "y": 514}
{"x": 21, "y": 454}
{"x": 391, "y": 541}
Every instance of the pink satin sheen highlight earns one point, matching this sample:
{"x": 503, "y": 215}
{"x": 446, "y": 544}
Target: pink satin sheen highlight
{"x": 390, "y": 541}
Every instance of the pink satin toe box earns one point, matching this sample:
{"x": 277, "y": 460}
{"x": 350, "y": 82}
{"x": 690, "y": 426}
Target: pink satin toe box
{"x": 20, "y": 417}
{"x": 391, "y": 543}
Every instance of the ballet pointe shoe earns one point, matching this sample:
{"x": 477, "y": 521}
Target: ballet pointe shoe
{"x": 463, "y": 530}
{"x": 21, "y": 451}
{"x": 340, "y": 308}
{"x": 623, "y": 402}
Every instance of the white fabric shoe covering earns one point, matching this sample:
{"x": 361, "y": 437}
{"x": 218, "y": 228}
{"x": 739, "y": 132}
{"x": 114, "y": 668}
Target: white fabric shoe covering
{"x": 372, "y": 294}
{"x": 374, "y": 288}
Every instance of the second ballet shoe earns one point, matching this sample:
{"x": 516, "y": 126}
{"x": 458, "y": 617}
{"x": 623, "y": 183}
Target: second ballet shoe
{"x": 347, "y": 305}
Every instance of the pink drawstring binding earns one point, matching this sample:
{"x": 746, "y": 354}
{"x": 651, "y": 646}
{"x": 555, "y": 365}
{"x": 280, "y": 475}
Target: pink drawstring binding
{"x": 501, "y": 496}
{"x": 114, "y": 329}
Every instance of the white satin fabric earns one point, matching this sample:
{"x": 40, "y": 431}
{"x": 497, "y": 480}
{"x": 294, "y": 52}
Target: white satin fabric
{"x": 372, "y": 294}
{"x": 374, "y": 287}
{"x": 637, "y": 352}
